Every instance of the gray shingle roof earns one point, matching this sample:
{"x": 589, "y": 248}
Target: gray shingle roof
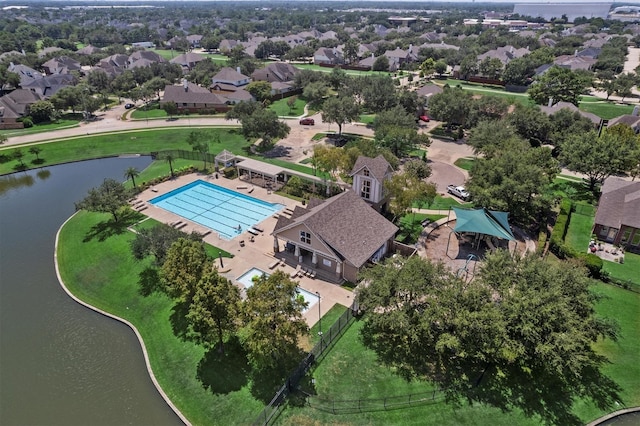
{"x": 619, "y": 204}
{"x": 378, "y": 167}
{"x": 346, "y": 223}
{"x": 194, "y": 94}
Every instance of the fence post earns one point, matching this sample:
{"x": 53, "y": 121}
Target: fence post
{"x": 410, "y": 399}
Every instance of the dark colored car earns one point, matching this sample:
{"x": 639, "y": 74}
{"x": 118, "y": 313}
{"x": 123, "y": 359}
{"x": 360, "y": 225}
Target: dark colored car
{"x": 307, "y": 122}
{"x": 128, "y": 106}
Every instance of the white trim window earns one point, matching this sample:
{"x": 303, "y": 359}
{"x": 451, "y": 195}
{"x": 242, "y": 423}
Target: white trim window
{"x": 305, "y": 237}
{"x": 366, "y": 190}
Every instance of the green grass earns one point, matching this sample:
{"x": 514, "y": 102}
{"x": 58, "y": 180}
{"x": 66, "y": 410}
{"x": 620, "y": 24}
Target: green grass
{"x": 41, "y": 128}
{"x": 411, "y": 226}
{"x": 327, "y": 321}
{"x": 580, "y": 227}
{"x": 282, "y": 109}
{"x": 131, "y": 142}
{"x": 314, "y": 67}
{"x": 143, "y": 114}
{"x": 351, "y": 371}
{"x": 627, "y": 271}
{"x": 606, "y": 110}
{"x": 367, "y": 118}
{"x": 465, "y": 163}
{"x": 441, "y": 203}
{"x": 104, "y": 274}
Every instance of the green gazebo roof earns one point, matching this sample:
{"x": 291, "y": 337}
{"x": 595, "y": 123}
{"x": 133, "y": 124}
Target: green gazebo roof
{"x": 483, "y": 221}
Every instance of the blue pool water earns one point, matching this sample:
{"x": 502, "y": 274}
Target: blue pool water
{"x": 227, "y": 212}
{"x": 246, "y": 280}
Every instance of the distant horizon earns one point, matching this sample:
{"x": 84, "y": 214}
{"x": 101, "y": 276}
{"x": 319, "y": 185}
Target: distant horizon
{"x": 614, "y": 2}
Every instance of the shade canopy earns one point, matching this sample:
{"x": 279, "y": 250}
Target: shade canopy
{"x": 483, "y": 221}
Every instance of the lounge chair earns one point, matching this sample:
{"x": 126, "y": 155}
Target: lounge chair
{"x": 295, "y": 272}
{"x": 241, "y": 243}
{"x": 258, "y": 229}
{"x": 274, "y": 264}
{"x": 252, "y": 231}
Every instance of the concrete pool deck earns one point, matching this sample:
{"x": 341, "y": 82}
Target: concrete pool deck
{"x": 257, "y": 253}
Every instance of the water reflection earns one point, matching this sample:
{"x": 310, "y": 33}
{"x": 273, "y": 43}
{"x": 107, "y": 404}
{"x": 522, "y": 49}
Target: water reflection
{"x": 61, "y": 363}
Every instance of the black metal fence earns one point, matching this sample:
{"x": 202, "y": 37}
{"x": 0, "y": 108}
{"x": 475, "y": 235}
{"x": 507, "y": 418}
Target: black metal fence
{"x": 374, "y": 404}
{"x": 187, "y": 155}
{"x": 318, "y": 352}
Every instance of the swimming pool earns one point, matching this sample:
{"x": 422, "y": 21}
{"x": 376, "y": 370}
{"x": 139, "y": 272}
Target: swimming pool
{"x": 246, "y": 280}
{"x": 223, "y": 210}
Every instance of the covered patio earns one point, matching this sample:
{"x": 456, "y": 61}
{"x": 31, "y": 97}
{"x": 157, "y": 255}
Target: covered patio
{"x": 259, "y": 173}
{"x": 481, "y": 225}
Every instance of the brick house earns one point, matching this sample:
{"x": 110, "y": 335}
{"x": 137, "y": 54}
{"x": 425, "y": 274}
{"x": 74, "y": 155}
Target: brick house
{"x": 618, "y": 216}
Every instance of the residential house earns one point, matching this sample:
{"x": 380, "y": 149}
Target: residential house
{"x": 188, "y": 61}
{"x": 399, "y": 57}
{"x": 327, "y": 55}
{"x": 14, "y": 106}
{"x": 230, "y": 77}
{"x": 631, "y": 120}
{"x": 427, "y": 91}
{"x": 144, "y": 58}
{"x": 50, "y": 84}
{"x": 336, "y": 237}
{"x": 574, "y": 62}
{"x": 27, "y": 74}
{"x": 194, "y": 40}
{"x": 193, "y": 98}
{"x": 227, "y": 45}
{"x": 369, "y": 175}
{"x": 88, "y": 50}
{"x": 61, "y": 65}
{"x": 618, "y": 216}
{"x": 550, "y": 110}
{"x": 117, "y": 61}
{"x": 277, "y": 71}
{"x": 504, "y": 54}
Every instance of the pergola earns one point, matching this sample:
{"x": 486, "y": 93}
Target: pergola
{"x": 253, "y": 168}
{"x": 226, "y": 158}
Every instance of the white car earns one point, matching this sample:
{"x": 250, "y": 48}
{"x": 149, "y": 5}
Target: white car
{"x": 458, "y": 191}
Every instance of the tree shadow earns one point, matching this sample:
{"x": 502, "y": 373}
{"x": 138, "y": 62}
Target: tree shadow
{"x": 226, "y": 372}
{"x": 20, "y": 167}
{"x": 105, "y": 229}
{"x": 38, "y": 161}
{"x": 178, "y": 319}
{"x": 149, "y": 280}
{"x": 265, "y": 382}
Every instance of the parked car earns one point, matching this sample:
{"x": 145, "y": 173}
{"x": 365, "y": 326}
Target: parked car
{"x": 129, "y": 106}
{"x": 424, "y": 118}
{"x": 458, "y": 191}
{"x": 307, "y": 122}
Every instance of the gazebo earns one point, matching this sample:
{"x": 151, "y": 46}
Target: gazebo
{"x": 482, "y": 222}
{"x": 225, "y": 157}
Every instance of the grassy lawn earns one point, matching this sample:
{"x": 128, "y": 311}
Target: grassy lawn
{"x": 465, "y": 163}
{"x": 627, "y": 271}
{"x": 143, "y": 114}
{"x": 580, "y": 227}
{"x": 441, "y": 203}
{"x": 282, "y": 109}
{"x": 327, "y": 321}
{"x": 606, "y": 110}
{"x": 327, "y": 69}
{"x": 40, "y": 128}
{"x": 351, "y": 371}
{"x": 411, "y": 226}
{"x": 367, "y": 118}
{"x": 131, "y": 142}
{"x": 97, "y": 266}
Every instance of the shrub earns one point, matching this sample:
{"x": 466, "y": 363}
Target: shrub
{"x": 593, "y": 263}
{"x": 27, "y": 122}
{"x": 556, "y": 242}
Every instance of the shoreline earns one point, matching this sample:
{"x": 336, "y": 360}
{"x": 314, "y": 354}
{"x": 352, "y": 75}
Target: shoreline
{"x": 117, "y": 318}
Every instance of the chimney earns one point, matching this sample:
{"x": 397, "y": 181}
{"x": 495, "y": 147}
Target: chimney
{"x": 185, "y": 85}
{"x": 550, "y": 103}
{"x": 636, "y": 110}
{"x": 238, "y": 70}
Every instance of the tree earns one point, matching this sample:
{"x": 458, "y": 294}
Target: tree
{"x": 169, "y": 158}
{"x": 171, "y": 108}
{"x": 98, "y": 81}
{"x": 261, "y": 90}
{"x": 41, "y": 111}
{"x": 291, "y": 103}
{"x": 110, "y": 197}
{"x": 350, "y": 50}
{"x": 428, "y": 66}
{"x": 487, "y": 108}
{"x": 273, "y": 322}
{"x": 328, "y": 159}
{"x": 18, "y": 155}
{"x": 530, "y": 123}
{"x": 404, "y": 190}
{"x": 340, "y": 110}
{"x": 183, "y": 268}
{"x": 514, "y": 179}
{"x": 490, "y": 67}
{"x": 488, "y": 136}
{"x": 468, "y": 66}
{"x": 440, "y": 67}
{"x": 36, "y": 150}
{"x": 558, "y": 84}
{"x": 520, "y": 336}
{"x": 380, "y": 64}
{"x": 623, "y": 85}
{"x": 3, "y": 138}
{"x": 417, "y": 168}
{"x": 156, "y": 84}
{"x": 315, "y": 92}
{"x": 337, "y": 79}
{"x": 132, "y": 173}
{"x": 451, "y": 106}
{"x": 215, "y": 309}
{"x": 597, "y": 157}
{"x": 157, "y": 241}
{"x": 198, "y": 141}
{"x": 264, "y": 124}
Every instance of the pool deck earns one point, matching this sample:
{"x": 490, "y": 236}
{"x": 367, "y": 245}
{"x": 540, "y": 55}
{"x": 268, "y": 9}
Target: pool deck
{"x": 257, "y": 253}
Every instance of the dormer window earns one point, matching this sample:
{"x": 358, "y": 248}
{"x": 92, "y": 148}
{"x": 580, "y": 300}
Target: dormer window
{"x": 365, "y": 172}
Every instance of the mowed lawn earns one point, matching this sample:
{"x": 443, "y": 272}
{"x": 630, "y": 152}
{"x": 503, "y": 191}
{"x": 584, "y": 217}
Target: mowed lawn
{"x": 580, "y": 227}
{"x": 104, "y": 274}
{"x": 351, "y": 372}
{"x": 130, "y": 142}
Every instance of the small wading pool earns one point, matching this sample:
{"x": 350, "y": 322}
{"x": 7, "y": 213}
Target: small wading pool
{"x": 223, "y": 210}
{"x": 246, "y": 280}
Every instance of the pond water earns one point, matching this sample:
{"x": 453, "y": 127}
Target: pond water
{"x": 61, "y": 363}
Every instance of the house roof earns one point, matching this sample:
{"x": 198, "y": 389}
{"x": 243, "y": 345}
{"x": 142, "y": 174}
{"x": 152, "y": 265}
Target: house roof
{"x": 192, "y": 94}
{"x": 276, "y": 71}
{"x": 16, "y": 103}
{"x": 228, "y": 74}
{"x": 429, "y": 90}
{"x": 483, "y": 221}
{"x": 378, "y": 167}
{"x": 619, "y": 204}
{"x": 562, "y": 105}
{"x": 187, "y": 58}
{"x": 346, "y": 224}
{"x": 630, "y": 120}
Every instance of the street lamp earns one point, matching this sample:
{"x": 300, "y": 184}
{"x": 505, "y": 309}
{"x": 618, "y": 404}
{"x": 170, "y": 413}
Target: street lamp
{"x": 319, "y": 315}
